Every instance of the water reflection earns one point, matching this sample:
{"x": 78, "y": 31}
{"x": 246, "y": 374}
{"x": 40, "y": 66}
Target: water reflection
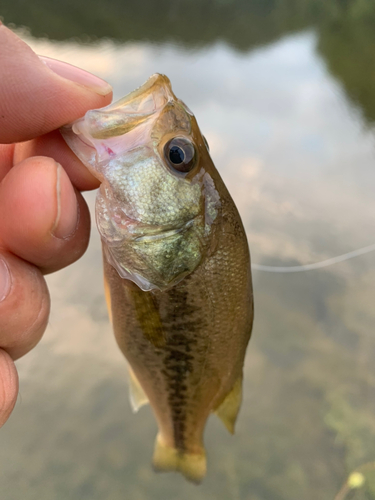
{"x": 298, "y": 159}
{"x": 345, "y": 28}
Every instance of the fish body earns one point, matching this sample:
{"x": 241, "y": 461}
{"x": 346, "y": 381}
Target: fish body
{"x": 176, "y": 265}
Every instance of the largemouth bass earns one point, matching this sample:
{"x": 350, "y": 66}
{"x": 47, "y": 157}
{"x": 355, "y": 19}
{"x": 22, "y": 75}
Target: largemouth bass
{"x": 176, "y": 266}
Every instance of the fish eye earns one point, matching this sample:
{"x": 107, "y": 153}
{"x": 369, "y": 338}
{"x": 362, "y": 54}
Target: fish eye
{"x": 180, "y": 154}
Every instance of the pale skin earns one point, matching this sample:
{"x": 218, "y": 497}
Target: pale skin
{"x": 44, "y": 220}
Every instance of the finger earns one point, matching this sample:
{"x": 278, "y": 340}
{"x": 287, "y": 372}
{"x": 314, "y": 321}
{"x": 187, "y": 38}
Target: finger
{"x": 54, "y": 146}
{"x": 37, "y": 97}
{"x": 24, "y": 305}
{"x": 8, "y": 386}
{"x": 43, "y": 219}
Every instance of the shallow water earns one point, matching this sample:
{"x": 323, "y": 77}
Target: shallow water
{"x": 288, "y": 117}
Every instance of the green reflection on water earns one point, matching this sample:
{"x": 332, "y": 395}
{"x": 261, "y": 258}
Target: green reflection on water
{"x": 241, "y": 23}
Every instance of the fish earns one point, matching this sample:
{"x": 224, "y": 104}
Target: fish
{"x": 176, "y": 260}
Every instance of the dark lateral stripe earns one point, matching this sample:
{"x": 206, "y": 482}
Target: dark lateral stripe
{"x": 183, "y": 324}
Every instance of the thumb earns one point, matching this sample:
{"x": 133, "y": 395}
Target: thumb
{"x": 38, "y": 95}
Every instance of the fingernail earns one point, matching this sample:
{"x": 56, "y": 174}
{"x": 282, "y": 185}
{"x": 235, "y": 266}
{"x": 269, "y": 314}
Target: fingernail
{"x": 77, "y": 75}
{"x": 5, "y": 279}
{"x": 67, "y": 213}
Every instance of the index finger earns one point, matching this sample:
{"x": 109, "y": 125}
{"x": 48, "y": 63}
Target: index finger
{"x": 38, "y": 96}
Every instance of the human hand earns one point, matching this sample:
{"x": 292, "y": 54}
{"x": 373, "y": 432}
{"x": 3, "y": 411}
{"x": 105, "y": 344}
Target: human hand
{"x": 44, "y": 220}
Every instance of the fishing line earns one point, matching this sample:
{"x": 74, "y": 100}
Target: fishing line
{"x": 316, "y": 265}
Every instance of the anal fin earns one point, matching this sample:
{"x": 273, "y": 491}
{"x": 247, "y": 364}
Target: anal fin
{"x": 137, "y": 395}
{"x": 228, "y": 409}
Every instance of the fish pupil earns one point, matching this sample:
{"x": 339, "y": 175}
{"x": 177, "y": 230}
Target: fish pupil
{"x": 176, "y": 155}
{"x": 180, "y": 154}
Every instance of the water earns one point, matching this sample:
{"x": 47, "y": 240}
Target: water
{"x": 283, "y": 92}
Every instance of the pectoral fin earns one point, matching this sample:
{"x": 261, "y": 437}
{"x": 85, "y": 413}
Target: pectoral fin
{"x": 137, "y": 395}
{"x": 107, "y": 293}
{"x": 148, "y": 315}
{"x": 228, "y": 409}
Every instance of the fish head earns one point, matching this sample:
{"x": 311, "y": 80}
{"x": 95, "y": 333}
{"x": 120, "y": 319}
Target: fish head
{"x": 157, "y": 202}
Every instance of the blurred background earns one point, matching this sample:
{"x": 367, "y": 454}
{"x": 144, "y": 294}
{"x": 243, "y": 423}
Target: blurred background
{"x": 284, "y": 91}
